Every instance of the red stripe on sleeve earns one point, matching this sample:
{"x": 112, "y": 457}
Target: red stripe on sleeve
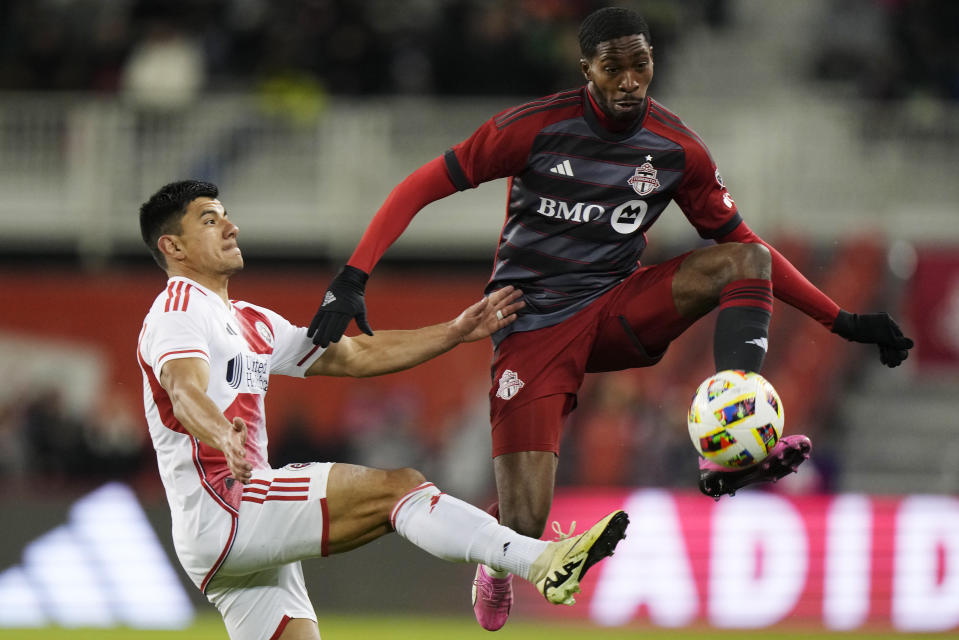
{"x": 169, "y": 295}
{"x": 309, "y": 353}
{"x": 280, "y": 627}
{"x": 171, "y": 353}
{"x": 325, "y": 538}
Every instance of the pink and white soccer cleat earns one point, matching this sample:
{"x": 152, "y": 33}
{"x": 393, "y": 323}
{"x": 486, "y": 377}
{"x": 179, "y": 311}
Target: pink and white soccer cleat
{"x": 492, "y": 599}
{"x": 785, "y": 458}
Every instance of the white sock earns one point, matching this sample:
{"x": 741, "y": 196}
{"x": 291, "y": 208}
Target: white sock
{"x": 453, "y": 530}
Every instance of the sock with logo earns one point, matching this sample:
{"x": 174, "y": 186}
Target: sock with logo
{"x": 453, "y": 530}
{"x": 493, "y": 510}
{"x": 742, "y": 326}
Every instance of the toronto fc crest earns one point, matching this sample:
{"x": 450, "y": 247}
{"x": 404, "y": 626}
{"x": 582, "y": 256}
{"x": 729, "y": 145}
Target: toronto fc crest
{"x": 644, "y": 181}
{"x": 509, "y": 385}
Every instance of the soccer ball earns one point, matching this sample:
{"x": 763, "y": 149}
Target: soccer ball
{"x": 736, "y": 418}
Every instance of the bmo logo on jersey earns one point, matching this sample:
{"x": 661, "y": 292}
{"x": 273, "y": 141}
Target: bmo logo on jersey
{"x": 625, "y": 218}
{"x": 580, "y": 212}
{"x": 628, "y": 217}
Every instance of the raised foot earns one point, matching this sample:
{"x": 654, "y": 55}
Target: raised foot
{"x": 789, "y": 453}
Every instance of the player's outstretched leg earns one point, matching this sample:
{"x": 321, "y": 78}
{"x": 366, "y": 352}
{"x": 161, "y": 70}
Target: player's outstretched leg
{"x": 785, "y": 458}
{"x": 492, "y": 599}
{"x": 558, "y": 571}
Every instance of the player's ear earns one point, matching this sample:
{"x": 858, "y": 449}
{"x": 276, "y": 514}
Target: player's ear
{"x": 584, "y": 67}
{"x": 170, "y": 247}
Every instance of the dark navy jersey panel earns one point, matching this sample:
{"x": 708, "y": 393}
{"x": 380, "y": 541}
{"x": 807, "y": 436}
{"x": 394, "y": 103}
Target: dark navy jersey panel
{"x": 581, "y": 199}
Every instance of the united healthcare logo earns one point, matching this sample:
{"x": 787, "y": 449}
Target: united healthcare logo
{"x": 105, "y": 567}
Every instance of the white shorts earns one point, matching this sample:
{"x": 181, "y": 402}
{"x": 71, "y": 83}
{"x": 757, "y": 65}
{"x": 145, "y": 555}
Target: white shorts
{"x": 283, "y": 519}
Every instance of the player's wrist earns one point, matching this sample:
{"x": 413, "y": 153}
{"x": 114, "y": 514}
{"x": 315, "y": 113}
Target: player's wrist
{"x": 845, "y": 325}
{"x": 353, "y": 276}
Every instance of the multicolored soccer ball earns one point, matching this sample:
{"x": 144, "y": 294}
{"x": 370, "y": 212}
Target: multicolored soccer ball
{"x": 735, "y": 419}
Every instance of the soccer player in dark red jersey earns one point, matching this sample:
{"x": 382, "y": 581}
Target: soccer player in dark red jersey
{"x": 590, "y": 170}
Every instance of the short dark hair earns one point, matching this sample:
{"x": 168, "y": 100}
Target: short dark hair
{"x": 608, "y": 24}
{"x": 162, "y": 213}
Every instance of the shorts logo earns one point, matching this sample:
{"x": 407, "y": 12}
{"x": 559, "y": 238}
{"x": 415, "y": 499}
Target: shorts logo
{"x": 264, "y": 332}
{"x": 644, "y": 181}
{"x": 627, "y": 217}
{"x": 728, "y": 200}
{"x": 299, "y": 465}
{"x": 509, "y": 385}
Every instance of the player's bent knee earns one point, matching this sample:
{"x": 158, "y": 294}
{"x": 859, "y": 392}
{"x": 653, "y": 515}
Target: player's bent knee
{"x": 708, "y": 270}
{"x": 754, "y": 260}
{"x": 405, "y": 480}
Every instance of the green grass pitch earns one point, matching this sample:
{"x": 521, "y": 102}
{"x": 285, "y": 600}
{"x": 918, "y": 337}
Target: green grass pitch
{"x": 209, "y": 627}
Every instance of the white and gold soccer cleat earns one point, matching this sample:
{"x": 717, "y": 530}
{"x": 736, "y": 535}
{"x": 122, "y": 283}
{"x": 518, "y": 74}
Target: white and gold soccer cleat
{"x": 558, "y": 570}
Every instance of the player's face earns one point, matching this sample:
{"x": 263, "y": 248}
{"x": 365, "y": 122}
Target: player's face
{"x": 619, "y": 75}
{"x": 208, "y": 239}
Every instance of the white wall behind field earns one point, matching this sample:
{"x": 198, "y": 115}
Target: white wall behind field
{"x": 74, "y": 169}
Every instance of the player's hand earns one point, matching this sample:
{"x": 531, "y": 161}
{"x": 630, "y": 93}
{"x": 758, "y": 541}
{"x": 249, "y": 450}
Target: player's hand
{"x": 875, "y": 328}
{"x": 235, "y": 451}
{"x": 489, "y": 315}
{"x": 342, "y": 302}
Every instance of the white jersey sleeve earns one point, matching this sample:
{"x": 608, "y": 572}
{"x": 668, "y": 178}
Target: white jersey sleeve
{"x": 293, "y": 350}
{"x": 169, "y": 336}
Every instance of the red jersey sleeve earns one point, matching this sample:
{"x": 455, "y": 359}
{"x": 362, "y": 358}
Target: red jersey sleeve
{"x": 789, "y": 285}
{"x": 498, "y": 149}
{"x": 701, "y": 194}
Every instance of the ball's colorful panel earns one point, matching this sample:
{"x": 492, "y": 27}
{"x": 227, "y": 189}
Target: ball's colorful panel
{"x": 717, "y": 387}
{"x": 743, "y": 459}
{"x": 766, "y": 436}
{"x": 716, "y": 441}
{"x": 735, "y": 411}
{"x": 773, "y": 401}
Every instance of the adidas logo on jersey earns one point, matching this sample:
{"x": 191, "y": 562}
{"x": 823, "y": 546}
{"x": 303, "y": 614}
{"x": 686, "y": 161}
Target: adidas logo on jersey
{"x": 563, "y": 168}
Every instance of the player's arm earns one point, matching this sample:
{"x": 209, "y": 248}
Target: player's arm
{"x": 790, "y": 286}
{"x": 390, "y": 351}
{"x": 344, "y": 297}
{"x": 186, "y": 381}
{"x": 492, "y": 151}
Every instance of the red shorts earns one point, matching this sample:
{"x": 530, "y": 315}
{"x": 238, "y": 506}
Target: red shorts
{"x": 536, "y": 374}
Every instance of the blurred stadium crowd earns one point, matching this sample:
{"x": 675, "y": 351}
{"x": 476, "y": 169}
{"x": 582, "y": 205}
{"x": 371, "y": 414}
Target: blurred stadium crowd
{"x": 889, "y": 48}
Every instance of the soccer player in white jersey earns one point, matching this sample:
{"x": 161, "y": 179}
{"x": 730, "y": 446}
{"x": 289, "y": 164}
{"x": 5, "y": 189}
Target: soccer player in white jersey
{"x": 240, "y": 527}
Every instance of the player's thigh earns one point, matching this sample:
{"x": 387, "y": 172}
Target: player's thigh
{"x": 300, "y": 629}
{"x": 360, "y": 499}
{"x": 640, "y": 320}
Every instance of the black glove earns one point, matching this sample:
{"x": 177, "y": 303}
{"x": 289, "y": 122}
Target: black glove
{"x": 343, "y": 302}
{"x": 875, "y": 328}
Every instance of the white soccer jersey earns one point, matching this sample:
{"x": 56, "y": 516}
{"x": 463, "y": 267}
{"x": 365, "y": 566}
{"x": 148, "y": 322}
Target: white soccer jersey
{"x": 244, "y": 344}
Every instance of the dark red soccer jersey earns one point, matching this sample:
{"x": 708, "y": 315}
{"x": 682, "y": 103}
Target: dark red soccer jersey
{"x": 581, "y": 198}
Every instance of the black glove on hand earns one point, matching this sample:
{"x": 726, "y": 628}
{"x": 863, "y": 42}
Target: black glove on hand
{"x": 875, "y": 328}
{"x": 343, "y": 302}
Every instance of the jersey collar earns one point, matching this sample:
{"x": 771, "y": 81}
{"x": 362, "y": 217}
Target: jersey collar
{"x": 605, "y": 128}
{"x": 206, "y": 291}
